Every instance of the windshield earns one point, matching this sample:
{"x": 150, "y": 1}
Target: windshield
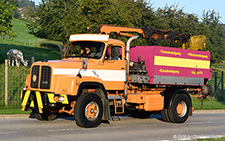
{"x": 87, "y": 49}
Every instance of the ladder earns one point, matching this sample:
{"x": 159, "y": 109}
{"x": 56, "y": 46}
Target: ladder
{"x": 118, "y": 103}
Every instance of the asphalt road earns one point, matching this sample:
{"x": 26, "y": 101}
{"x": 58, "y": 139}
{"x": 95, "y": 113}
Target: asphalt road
{"x": 200, "y": 125}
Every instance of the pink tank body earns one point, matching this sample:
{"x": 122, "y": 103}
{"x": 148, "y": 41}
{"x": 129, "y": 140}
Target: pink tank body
{"x": 174, "y": 66}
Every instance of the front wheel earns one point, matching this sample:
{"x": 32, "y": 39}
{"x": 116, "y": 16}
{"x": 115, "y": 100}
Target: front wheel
{"x": 46, "y": 116}
{"x": 180, "y": 108}
{"x": 88, "y": 110}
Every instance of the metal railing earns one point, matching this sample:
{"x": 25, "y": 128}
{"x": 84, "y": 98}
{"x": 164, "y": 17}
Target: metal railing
{"x": 219, "y": 85}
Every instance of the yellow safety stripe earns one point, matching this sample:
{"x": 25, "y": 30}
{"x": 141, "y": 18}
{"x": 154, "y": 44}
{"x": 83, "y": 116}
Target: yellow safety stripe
{"x": 39, "y": 102}
{"x": 181, "y": 62}
{"x": 21, "y": 94}
{"x": 65, "y": 99}
{"x": 51, "y": 98}
{"x": 25, "y": 100}
{"x": 32, "y": 103}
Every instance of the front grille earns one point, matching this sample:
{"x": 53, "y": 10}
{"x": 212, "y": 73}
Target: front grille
{"x": 45, "y": 77}
{"x": 34, "y": 77}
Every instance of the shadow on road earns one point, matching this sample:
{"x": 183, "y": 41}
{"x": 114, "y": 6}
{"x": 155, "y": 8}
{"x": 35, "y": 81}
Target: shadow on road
{"x": 154, "y": 115}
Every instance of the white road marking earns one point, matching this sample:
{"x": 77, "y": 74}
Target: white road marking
{"x": 59, "y": 130}
{"x": 2, "y": 133}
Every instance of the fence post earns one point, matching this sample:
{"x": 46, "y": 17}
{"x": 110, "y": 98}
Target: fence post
{"x": 6, "y": 82}
{"x": 215, "y": 80}
{"x": 222, "y": 84}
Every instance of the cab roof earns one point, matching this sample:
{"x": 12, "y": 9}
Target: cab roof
{"x": 88, "y": 37}
{"x": 114, "y": 41}
{"x": 94, "y": 37}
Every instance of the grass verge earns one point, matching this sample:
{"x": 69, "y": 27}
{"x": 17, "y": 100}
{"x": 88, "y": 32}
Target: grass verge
{"x": 13, "y": 111}
{"x": 208, "y": 103}
{"x": 212, "y": 139}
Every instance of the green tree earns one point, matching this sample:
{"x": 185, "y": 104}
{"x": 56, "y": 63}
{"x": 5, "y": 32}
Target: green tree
{"x": 26, "y": 3}
{"x": 172, "y": 18}
{"x": 13, "y": 2}
{"x": 51, "y": 15}
{"x": 15, "y": 12}
{"x": 58, "y": 19}
{"x": 6, "y": 10}
{"x": 215, "y": 35}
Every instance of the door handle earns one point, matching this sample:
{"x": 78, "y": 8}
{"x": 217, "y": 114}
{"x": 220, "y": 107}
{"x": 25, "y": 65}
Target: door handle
{"x": 110, "y": 61}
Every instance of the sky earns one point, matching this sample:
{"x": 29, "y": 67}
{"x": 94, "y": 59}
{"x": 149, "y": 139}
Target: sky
{"x": 189, "y": 6}
{"x": 194, "y": 6}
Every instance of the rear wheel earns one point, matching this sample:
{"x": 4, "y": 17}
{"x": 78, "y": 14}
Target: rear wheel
{"x": 88, "y": 110}
{"x": 164, "y": 114}
{"x": 180, "y": 108}
{"x": 208, "y": 89}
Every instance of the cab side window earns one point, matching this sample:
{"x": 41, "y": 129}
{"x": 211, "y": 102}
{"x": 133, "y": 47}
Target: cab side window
{"x": 114, "y": 53}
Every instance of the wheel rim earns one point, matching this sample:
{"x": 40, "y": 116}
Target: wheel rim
{"x": 91, "y": 111}
{"x": 181, "y": 109}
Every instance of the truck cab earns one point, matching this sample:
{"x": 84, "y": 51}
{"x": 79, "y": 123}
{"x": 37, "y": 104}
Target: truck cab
{"x": 54, "y": 86}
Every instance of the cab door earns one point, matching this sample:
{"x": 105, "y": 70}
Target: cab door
{"x": 112, "y": 70}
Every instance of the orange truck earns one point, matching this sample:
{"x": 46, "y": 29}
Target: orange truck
{"x": 99, "y": 75}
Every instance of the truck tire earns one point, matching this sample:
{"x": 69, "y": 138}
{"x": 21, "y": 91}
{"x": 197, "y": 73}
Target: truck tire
{"x": 139, "y": 114}
{"x": 164, "y": 114}
{"x": 45, "y": 116}
{"x": 179, "y": 110}
{"x": 208, "y": 89}
{"x": 88, "y": 110}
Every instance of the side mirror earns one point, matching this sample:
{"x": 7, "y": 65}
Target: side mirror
{"x": 84, "y": 63}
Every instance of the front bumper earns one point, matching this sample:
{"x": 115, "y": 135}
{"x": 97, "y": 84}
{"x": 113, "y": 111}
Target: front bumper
{"x": 40, "y": 100}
